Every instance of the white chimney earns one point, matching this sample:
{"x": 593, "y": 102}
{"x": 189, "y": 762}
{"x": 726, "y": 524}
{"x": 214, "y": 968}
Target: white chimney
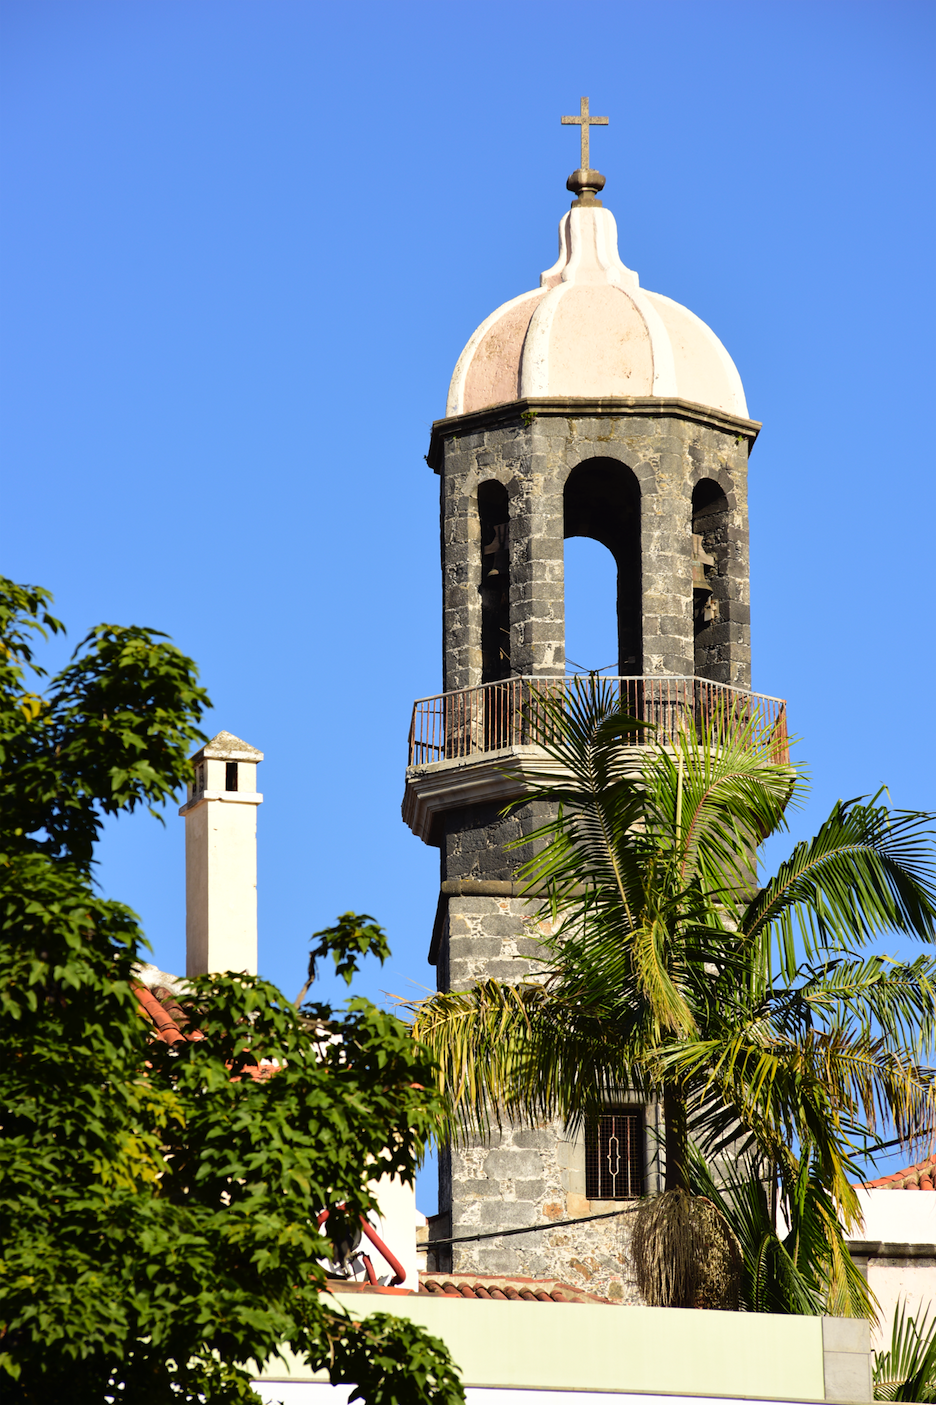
{"x": 221, "y": 858}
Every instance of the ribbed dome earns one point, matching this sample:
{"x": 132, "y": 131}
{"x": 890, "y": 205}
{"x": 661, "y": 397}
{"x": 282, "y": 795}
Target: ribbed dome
{"x": 591, "y": 330}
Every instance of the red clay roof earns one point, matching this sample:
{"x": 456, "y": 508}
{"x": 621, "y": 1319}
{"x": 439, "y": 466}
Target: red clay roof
{"x": 477, "y": 1286}
{"x": 510, "y": 1289}
{"x": 173, "y": 1024}
{"x": 161, "y": 1007}
{"x": 922, "y": 1176}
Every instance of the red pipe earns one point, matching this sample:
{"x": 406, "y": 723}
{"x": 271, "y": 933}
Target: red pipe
{"x": 398, "y": 1270}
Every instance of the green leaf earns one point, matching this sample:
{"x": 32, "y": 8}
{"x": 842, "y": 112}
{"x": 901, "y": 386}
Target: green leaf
{"x": 158, "y": 1205}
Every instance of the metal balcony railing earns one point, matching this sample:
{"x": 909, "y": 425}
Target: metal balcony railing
{"x": 454, "y": 726}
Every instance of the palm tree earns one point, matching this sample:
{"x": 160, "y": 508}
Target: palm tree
{"x": 756, "y": 1015}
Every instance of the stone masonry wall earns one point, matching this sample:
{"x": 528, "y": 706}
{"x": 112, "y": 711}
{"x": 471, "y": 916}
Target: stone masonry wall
{"x": 532, "y": 452}
{"x": 523, "y": 1175}
{"x": 476, "y": 838}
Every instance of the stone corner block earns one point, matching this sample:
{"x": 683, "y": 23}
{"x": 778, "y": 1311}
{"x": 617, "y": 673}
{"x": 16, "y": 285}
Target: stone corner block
{"x": 847, "y": 1377}
{"x": 846, "y": 1334}
{"x": 846, "y": 1359}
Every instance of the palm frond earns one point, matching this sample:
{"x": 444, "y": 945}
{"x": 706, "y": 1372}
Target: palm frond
{"x": 806, "y": 1270}
{"x": 479, "y": 1038}
{"x": 868, "y": 871}
{"x": 810, "y": 1087}
{"x": 727, "y": 790}
{"x": 907, "y": 1369}
{"x": 516, "y": 1052}
{"x": 773, "y": 1279}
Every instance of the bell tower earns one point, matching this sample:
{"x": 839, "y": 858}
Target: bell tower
{"x": 585, "y": 407}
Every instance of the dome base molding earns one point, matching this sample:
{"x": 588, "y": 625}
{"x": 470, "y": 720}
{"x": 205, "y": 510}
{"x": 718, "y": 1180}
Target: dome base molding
{"x": 531, "y": 408}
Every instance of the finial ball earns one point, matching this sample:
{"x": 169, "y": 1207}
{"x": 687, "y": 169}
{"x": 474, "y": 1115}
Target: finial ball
{"x": 585, "y": 185}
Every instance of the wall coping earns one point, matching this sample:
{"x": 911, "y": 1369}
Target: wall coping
{"x": 649, "y": 1351}
{"x": 881, "y": 1249}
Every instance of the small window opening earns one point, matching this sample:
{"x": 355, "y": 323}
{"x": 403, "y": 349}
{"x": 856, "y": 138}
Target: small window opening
{"x": 710, "y": 519}
{"x": 614, "y": 1156}
{"x": 199, "y": 784}
{"x": 230, "y": 775}
{"x": 494, "y": 514}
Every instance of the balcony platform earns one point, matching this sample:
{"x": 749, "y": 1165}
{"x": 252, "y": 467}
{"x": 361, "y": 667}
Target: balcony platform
{"x": 477, "y": 745}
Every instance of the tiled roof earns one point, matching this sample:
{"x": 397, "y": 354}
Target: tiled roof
{"x": 159, "y": 1004}
{"x": 500, "y": 1287}
{"x": 162, "y": 1005}
{"x": 922, "y": 1176}
{"x": 509, "y": 1289}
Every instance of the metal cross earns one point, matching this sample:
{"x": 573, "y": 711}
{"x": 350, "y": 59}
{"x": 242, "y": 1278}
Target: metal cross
{"x": 584, "y": 121}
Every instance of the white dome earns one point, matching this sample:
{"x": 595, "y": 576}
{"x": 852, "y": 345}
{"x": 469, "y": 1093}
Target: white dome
{"x": 590, "y": 330}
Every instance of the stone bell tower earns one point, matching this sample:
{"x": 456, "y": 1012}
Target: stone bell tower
{"x": 585, "y": 407}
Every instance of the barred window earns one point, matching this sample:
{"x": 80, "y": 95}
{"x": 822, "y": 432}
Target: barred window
{"x": 614, "y": 1156}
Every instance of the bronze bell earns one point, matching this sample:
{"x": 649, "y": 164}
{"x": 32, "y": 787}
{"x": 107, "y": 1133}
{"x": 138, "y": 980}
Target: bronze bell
{"x": 700, "y": 559}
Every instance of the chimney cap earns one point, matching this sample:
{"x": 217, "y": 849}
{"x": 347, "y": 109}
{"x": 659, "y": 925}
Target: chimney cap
{"x": 226, "y": 747}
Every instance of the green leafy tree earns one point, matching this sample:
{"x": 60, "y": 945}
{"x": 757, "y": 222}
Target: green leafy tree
{"x": 754, "y": 1014}
{"x": 158, "y": 1205}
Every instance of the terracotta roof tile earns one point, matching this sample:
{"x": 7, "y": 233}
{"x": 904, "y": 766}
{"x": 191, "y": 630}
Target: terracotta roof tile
{"x": 168, "y": 1027}
{"x": 504, "y": 1288}
{"x": 922, "y": 1176}
{"x": 480, "y": 1286}
{"x": 160, "y": 1005}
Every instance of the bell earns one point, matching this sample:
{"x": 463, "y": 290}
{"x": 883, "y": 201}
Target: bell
{"x": 700, "y": 559}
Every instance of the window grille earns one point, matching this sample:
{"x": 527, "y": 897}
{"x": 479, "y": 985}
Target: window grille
{"x": 230, "y": 775}
{"x": 614, "y": 1156}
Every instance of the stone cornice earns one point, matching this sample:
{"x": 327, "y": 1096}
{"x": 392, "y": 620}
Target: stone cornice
{"x": 880, "y": 1249}
{"x": 229, "y": 797}
{"x": 497, "y": 776}
{"x": 574, "y": 407}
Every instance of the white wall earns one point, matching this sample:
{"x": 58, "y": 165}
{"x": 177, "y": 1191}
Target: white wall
{"x": 397, "y": 1227}
{"x": 900, "y": 1217}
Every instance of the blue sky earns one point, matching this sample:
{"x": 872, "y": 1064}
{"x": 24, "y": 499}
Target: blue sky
{"x": 244, "y": 245}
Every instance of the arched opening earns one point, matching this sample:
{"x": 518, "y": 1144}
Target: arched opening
{"x": 591, "y": 624}
{"x": 602, "y": 501}
{"x": 494, "y": 516}
{"x": 709, "y": 579}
